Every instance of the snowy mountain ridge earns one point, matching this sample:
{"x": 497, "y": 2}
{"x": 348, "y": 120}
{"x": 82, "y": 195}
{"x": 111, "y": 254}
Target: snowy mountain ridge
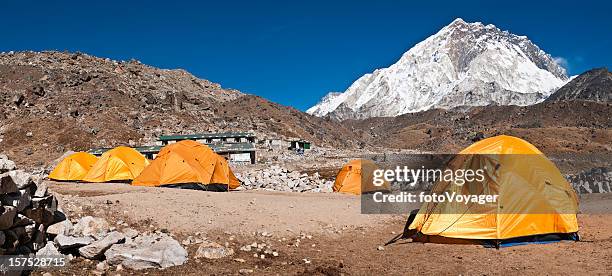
{"x": 464, "y": 64}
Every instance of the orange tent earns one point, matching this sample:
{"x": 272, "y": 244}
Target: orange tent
{"x": 74, "y": 167}
{"x": 533, "y": 197}
{"x": 187, "y": 162}
{"x": 350, "y": 177}
{"x": 119, "y": 164}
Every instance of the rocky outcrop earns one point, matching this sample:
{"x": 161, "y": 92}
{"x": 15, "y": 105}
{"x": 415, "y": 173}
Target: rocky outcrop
{"x": 52, "y": 102}
{"x": 596, "y": 180}
{"x": 593, "y": 85}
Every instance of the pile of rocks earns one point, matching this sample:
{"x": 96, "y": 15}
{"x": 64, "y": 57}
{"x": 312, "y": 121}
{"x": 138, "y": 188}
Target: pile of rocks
{"x": 31, "y": 224}
{"x": 93, "y": 238}
{"x": 276, "y": 178}
{"x": 26, "y": 210}
{"x": 596, "y": 180}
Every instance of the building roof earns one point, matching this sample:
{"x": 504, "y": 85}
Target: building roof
{"x": 146, "y": 149}
{"x": 216, "y": 147}
{"x": 231, "y": 147}
{"x": 206, "y": 136}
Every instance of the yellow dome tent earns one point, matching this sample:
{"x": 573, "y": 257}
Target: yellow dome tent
{"x": 119, "y": 164}
{"x": 533, "y": 197}
{"x": 188, "y": 162}
{"x": 74, "y": 167}
{"x": 349, "y": 178}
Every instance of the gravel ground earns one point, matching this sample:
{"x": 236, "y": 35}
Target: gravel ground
{"x": 334, "y": 238}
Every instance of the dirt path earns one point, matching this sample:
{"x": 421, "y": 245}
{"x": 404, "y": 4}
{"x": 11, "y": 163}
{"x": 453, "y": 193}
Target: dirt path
{"x": 243, "y": 212}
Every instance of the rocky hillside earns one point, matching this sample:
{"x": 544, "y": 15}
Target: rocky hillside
{"x": 574, "y": 126}
{"x": 464, "y": 64}
{"x": 51, "y": 102}
{"x": 593, "y": 85}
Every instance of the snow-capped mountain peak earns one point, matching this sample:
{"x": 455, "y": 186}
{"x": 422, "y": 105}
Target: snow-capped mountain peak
{"x": 463, "y": 64}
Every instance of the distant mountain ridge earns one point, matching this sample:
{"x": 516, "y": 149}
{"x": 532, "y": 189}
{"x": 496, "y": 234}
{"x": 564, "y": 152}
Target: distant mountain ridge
{"x": 464, "y": 64}
{"x": 593, "y": 85}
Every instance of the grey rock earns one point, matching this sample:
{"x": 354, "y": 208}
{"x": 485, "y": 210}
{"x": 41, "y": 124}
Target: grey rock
{"x": 21, "y": 235}
{"x": 39, "y": 238}
{"x": 61, "y": 228}
{"x": 18, "y": 99}
{"x": 97, "y": 248}
{"x": 7, "y": 216}
{"x": 130, "y": 233}
{"x": 294, "y": 175}
{"x": 41, "y": 188}
{"x": 147, "y": 251}
{"x": 49, "y": 251}
{"x": 6, "y": 165}
{"x": 43, "y": 210}
{"x": 91, "y": 226}
{"x": 21, "y": 220}
{"x": 26, "y": 231}
{"x": 40, "y": 215}
{"x": 11, "y": 240}
{"x": 69, "y": 242}
{"x": 7, "y": 185}
{"x": 48, "y": 202}
{"x": 213, "y": 250}
{"x": 102, "y": 266}
{"x": 19, "y": 199}
{"x": 21, "y": 178}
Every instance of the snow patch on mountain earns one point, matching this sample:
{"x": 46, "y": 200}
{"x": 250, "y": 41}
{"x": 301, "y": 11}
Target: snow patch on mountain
{"x": 464, "y": 64}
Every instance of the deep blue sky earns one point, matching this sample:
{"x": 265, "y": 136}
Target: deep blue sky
{"x": 292, "y": 52}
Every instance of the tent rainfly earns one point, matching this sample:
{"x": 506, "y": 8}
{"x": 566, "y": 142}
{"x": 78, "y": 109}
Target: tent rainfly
{"x": 186, "y": 163}
{"x": 350, "y": 177}
{"x": 119, "y": 164}
{"x": 74, "y": 167}
{"x": 534, "y": 199}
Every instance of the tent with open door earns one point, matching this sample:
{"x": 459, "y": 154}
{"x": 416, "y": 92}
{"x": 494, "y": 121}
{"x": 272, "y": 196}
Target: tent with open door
{"x": 119, "y": 164}
{"x": 74, "y": 167}
{"x": 186, "y": 163}
{"x": 533, "y": 198}
{"x": 350, "y": 177}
